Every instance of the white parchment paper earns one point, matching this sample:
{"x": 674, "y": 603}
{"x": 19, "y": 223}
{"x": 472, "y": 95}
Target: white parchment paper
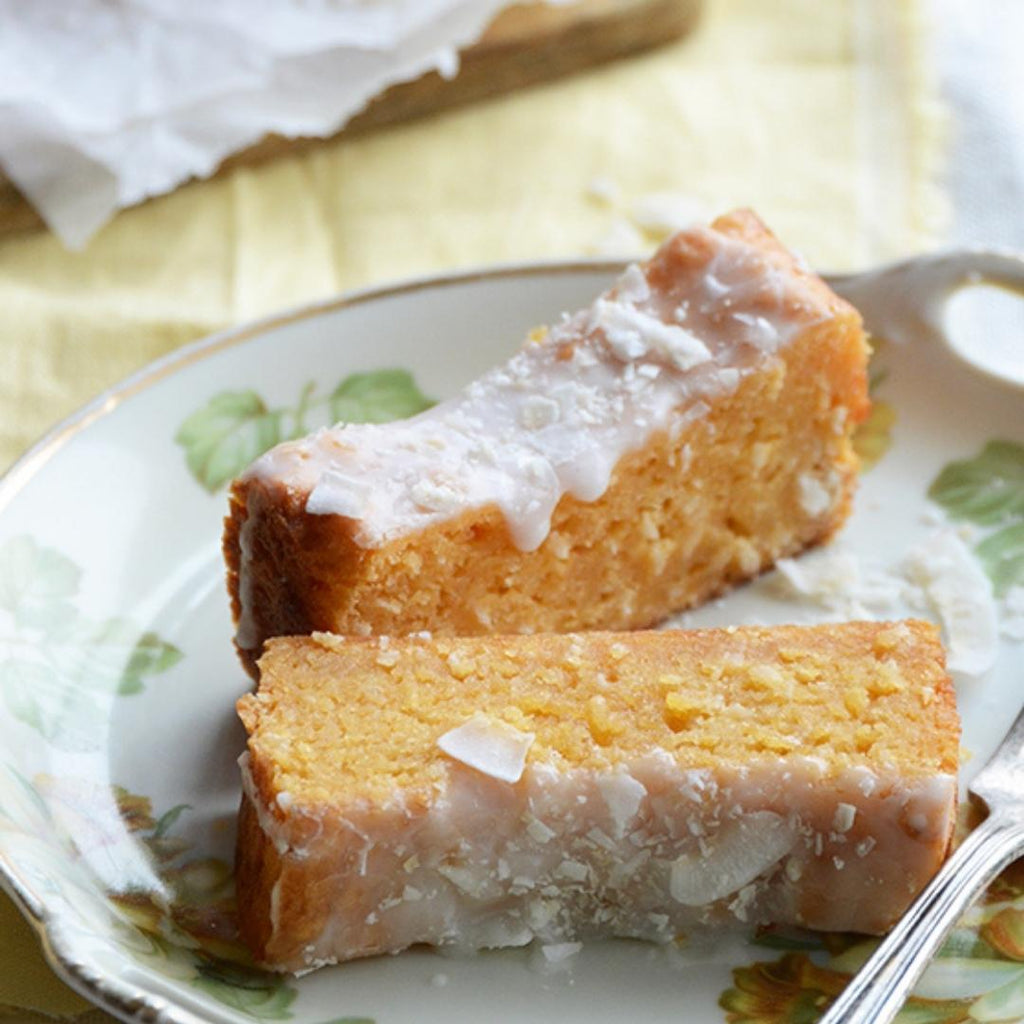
{"x": 104, "y": 103}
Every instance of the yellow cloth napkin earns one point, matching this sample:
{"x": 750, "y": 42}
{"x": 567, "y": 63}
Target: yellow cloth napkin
{"x": 820, "y": 116}
{"x": 28, "y": 988}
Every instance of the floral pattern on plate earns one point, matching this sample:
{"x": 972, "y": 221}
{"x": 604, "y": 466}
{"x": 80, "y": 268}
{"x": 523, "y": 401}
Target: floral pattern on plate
{"x": 118, "y": 678}
{"x": 978, "y": 974}
{"x": 57, "y": 664}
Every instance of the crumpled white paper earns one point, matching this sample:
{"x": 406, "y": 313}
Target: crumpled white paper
{"x": 104, "y": 103}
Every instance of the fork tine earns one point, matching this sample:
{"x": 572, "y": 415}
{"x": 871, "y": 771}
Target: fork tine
{"x": 1002, "y": 777}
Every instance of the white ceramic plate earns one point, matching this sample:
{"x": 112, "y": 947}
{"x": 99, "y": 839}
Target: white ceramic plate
{"x": 118, "y": 739}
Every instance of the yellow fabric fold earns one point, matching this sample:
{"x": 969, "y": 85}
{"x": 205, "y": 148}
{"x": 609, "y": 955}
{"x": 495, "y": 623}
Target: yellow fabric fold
{"x": 29, "y": 990}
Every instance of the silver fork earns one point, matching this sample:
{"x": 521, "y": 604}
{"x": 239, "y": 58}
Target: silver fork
{"x": 881, "y": 987}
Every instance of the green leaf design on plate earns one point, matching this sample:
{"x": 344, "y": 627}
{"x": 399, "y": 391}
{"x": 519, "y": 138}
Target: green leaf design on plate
{"x": 1003, "y": 1004}
{"x": 377, "y": 397}
{"x": 227, "y": 434}
{"x": 260, "y": 996}
{"x": 23, "y": 684}
{"x": 235, "y": 427}
{"x": 938, "y": 1011}
{"x": 988, "y": 489}
{"x": 1002, "y": 555}
{"x": 168, "y": 820}
{"x": 39, "y": 807}
{"x": 56, "y": 662}
{"x": 150, "y": 656}
{"x": 36, "y": 582}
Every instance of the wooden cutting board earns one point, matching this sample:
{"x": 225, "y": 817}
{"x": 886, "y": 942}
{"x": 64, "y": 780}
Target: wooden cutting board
{"x": 524, "y": 45}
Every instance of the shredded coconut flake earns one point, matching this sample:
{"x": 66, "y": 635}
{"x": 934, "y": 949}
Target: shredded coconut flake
{"x": 961, "y": 596}
{"x": 844, "y": 817}
{"x": 491, "y": 747}
{"x": 538, "y": 412}
{"x": 828, "y": 578}
{"x": 633, "y": 333}
{"x": 539, "y": 832}
{"x": 865, "y": 846}
{"x": 632, "y": 285}
{"x": 436, "y": 496}
{"x": 623, "y": 795}
{"x": 738, "y": 854}
{"x": 556, "y": 952}
{"x": 815, "y": 498}
{"x": 573, "y": 870}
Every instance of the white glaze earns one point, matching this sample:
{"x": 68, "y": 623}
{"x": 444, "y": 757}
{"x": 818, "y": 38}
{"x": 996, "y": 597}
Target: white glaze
{"x": 560, "y": 414}
{"x": 487, "y": 863}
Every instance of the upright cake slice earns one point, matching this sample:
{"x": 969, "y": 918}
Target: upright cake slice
{"x": 487, "y": 791}
{"x": 682, "y": 433}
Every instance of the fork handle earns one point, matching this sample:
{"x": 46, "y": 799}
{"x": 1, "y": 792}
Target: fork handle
{"x": 881, "y": 987}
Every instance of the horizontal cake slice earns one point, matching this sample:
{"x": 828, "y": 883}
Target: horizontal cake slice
{"x": 488, "y": 791}
{"x": 682, "y": 433}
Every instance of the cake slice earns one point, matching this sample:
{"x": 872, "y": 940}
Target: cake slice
{"x": 488, "y": 791}
{"x": 689, "y": 428}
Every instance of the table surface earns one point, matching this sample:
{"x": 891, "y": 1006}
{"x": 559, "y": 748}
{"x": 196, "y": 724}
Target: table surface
{"x": 858, "y": 136}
